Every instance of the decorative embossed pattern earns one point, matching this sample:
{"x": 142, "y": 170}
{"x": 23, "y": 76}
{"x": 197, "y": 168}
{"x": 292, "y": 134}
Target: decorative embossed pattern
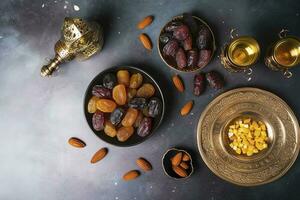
{"x": 266, "y": 166}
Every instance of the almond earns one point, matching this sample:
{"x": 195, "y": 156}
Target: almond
{"x": 145, "y": 22}
{"x": 76, "y": 142}
{"x": 186, "y": 108}
{"x": 176, "y": 160}
{"x": 178, "y": 83}
{"x": 185, "y": 157}
{"x": 144, "y": 164}
{"x": 99, "y": 155}
{"x": 180, "y": 171}
{"x": 133, "y": 174}
{"x": 184, "y": 165}
{"x": 145, "y": 40}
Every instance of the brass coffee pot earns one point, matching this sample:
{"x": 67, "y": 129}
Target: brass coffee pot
{"x": 284, "y": 53}
{"x": 80, "y": 39}
{"x": 240, "y": 54}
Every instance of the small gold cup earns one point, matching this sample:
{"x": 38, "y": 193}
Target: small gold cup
{"x": 284, "y": 54}
{"x": 240, "y": 54}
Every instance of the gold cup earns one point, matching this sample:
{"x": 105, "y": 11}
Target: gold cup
{"x": 240, "y": 54}
{"x": 284, "y": 54}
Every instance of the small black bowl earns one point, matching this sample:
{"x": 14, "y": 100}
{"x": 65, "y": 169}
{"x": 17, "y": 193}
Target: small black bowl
{"x": 134, "y": 139}
{"x": 167, "y": 163}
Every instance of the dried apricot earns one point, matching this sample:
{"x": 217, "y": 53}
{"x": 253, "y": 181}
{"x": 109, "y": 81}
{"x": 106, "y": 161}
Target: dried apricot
{"x": 123, "y": 77}
{"x": 92, "y": 104}
{"x": 130, "y": 117}
{"x": 136, "y": 80}
{"x": 106, "y": 105}
{"x": 109, "y": 129}
{"x": 147, "y": 90}
{"x": 119, "y": 94}
{"x": 124, "y": 133}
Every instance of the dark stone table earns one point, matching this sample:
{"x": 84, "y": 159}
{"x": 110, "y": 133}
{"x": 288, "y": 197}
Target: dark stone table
{"x": 38, "y": 115}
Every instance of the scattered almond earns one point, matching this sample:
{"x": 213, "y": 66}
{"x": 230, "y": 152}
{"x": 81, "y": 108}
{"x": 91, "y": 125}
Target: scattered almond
{"x": 186, "y": 108}
{"x": 176, "y": 160}
{"x": 133, "y": 174}
{"x": 178, "y": 83}
{"x": 185, "y": 157}
{"x": 145, "y": 22}
{"x": 180, "y": 171}
{"x": 184, "y": 165}
{"x": 76, "y": 142}
{"x": 144, "y": 164}
{"x": 145, "y": 40}
{"x": 99, "y": 155}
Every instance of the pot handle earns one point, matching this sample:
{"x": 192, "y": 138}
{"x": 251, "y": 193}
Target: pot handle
{"x": 287, "y": 74}
{"x": 283, "y": 33}
{"x": 233, "y": 33}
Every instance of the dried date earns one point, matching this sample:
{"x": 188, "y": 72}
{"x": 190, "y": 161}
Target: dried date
{"x": 101, "y": 92}
{"x": 98, "y": 120}
{"x": 181, "y": 32}
{"x": 170, "y": 48}
{"x": 138, "y": 102}
{"x": 154, "y": 107}
{"x": 192, "y": 58}
{"x": 117, "y": 116}
{"x": 199, "y": 84}
{"x": 145, "y": 127}
{"x": 204, "y": 57}
{"x": 204, "y": 38}
{"x": 109, "y": 80}
{"x": 172, "y": 26}
{"x": 181, "y": 58}
{"x": 215, "y": 80}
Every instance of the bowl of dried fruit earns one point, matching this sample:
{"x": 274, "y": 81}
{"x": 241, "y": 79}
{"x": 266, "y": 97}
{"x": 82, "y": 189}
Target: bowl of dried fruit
{"x": 124, "y": 105}
{"x": 177, "y": 163}
{"x": 186, "y": 43}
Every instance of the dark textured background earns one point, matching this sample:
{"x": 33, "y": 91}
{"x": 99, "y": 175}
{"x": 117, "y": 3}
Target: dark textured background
{"x": 38, "y": 115}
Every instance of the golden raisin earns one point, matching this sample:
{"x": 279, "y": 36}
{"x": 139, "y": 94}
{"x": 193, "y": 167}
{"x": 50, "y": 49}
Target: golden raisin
{"x": 131, "y": 93}
{"x": 130, "y": 117}
{"x": 147, "y": 90}
{"x": 106, "y": 105}
{"x": 92, "y": 104}
{"x": 124, "y": 133}
{"x": 136, "y": 80}
{"x": 119, "y": 94}
{"x": 123, "y": 77}
{"x": 109, "y": 129}
{"x": 138, "y": 119}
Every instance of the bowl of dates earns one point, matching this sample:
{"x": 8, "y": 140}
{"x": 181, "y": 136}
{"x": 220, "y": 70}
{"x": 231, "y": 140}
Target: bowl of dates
{"x": 186, "y": 43}
{"x": 123, "y": 106}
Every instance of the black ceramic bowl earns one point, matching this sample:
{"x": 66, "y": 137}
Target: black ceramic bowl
{"x": 167, "y": 163}
{"x": 134, "y": 139}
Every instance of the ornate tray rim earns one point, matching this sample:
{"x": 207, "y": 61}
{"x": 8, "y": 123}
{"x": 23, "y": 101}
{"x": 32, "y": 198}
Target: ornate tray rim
{"x": 243, "y": 89}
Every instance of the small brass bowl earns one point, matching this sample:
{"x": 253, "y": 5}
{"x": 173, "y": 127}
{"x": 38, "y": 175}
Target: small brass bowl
{"x": 257, "y": 117}
{"x": 170, "y": 62}
{"x": 167, "y": 165}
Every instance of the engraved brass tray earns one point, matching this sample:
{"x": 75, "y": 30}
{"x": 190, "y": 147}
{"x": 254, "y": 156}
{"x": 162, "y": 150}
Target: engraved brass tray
{"x": 264, "y": 167}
